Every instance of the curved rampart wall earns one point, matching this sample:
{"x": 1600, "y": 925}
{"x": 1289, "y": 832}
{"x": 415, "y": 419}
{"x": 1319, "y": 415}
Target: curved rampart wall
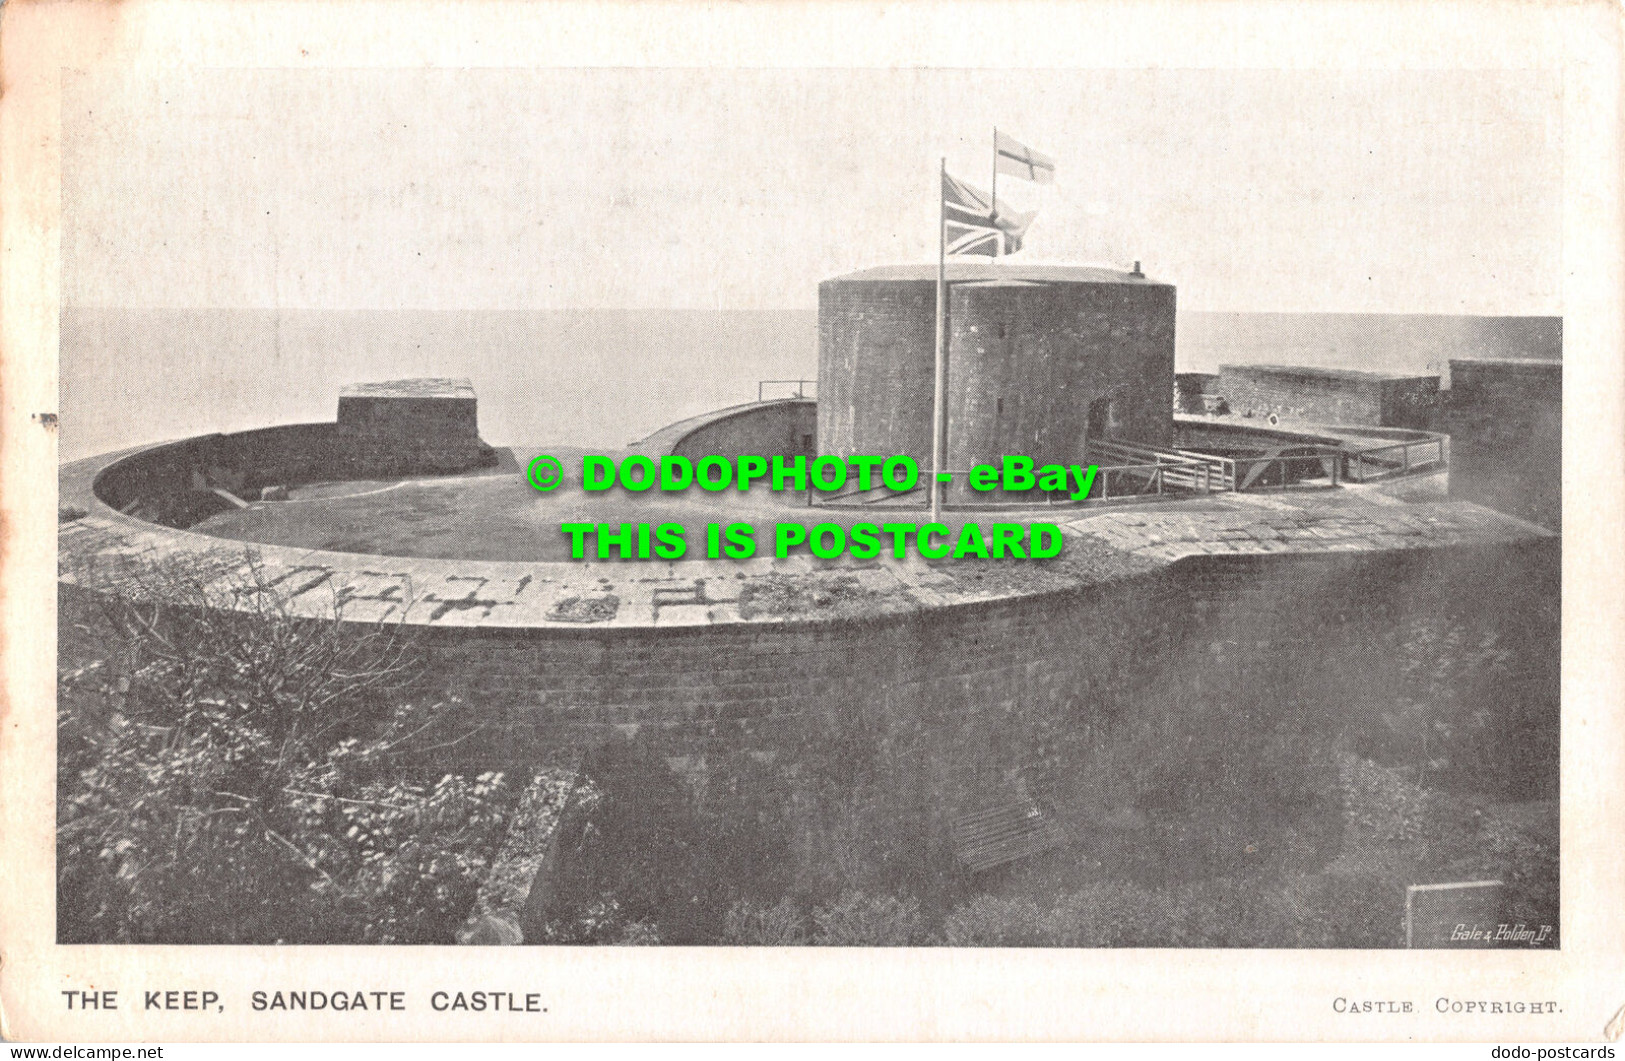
{"x": 286, "y": 455}
{"x": 1099, "y": 697}
{"x": 1001, "y": 689}
{"x": 784, "y": 428}
{"x": 1216, "y": 686}
{"x": 290, "y": 453}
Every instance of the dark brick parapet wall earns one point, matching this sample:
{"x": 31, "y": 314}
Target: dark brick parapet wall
{"x": 1329, "y": 396}
{"x": 290, "y": 454}
{"x": 1223, "y": 665}
{"x": 1505, "y": 421}
{"x": 975, "y": 681}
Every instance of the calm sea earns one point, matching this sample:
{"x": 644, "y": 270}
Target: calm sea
{"x": 594, "y": 377}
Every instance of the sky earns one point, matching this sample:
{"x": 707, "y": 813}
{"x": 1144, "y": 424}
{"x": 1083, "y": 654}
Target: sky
{"x": 509, "y": 189}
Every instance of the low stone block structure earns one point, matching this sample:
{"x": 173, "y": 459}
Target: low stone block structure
{"x": 410, "y": 426}
{"x": 1330, "y": 396}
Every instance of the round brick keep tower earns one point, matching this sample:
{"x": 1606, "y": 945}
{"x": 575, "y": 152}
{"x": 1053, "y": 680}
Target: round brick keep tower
{"x": 1040, "y": 358}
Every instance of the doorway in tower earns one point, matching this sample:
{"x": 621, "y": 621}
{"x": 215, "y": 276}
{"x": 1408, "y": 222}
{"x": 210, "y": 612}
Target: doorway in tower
{"x": 1102, "y": 418}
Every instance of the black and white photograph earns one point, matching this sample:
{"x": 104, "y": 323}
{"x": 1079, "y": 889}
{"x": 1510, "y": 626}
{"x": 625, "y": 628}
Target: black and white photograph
{"x": 1290, "y": 676}
{"x": 1092, "y": 509}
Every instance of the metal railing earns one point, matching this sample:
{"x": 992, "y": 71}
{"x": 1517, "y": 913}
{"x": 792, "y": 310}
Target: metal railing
{"x": 1209, "y": 473}
{"x": 1197, "y": 472}
{"x": 1112, "y": 482}
{"x": 1142, "y": 472}
{"x": 800, "y": 385}
{"x": 857, "y": 495}
{"x": 1278, "y": 470}
{"x": 1132, "y": 480}
{"x": 1402, "y": 458}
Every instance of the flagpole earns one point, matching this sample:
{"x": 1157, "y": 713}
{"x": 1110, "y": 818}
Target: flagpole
{"x": 939, "y": 398}
{"x": 998, "y": 248}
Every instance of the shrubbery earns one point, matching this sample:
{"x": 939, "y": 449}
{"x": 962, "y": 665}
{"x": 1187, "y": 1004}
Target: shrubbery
{"x": 852, "y": 920}
{"x": 246, "y": 776}
{"x": 1320, "y": 911}
{"x": 636, "y": 854}
{"x": 779, "y": 925}
{"x": 858, "y": 920}
{"x": 1325, "y": 910}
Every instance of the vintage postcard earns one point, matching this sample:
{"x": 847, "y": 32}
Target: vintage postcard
{"x": 839, "y": 520}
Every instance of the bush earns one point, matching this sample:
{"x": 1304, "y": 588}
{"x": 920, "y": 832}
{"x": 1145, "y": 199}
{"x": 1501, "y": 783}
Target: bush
{"x": 245, "y": 776}
{"x": 1114, "y": 914}
{"x": 990, "y": 921}
{"x": 1320, "y": 911}
{"x": 640, "y": 934}
{"x": 1348, "y": 910}
{"x": 638, "y": 849}
{"x": 857, "y": 920}
{"x": 779, "y": 925}
{"x": 1380, "y": 801}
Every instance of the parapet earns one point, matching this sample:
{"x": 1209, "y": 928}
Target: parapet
{"x": 1505, "y": 419}
{"x": 1331, "y": 395}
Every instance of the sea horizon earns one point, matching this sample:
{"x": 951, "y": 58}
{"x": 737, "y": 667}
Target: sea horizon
{"x": 598, "y": 377}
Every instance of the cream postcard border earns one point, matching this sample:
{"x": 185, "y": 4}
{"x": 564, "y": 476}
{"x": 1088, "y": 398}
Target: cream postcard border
{"x": 670, "y": 993}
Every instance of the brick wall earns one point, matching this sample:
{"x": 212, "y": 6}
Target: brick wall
{"x": 1035, "y": 367}
{"x": 292, "y": 453}
{"x": 1329, "y": 396}
{"x": 289, "y": 454}
{"x": 992, "y": 694}
{"x": 410, "y": 427}
{"x": 1411, "y": 402}
{"x": 1026, "y": 360}
{"x": 1505, "y": 421}
{"x": 1242, "y": 671}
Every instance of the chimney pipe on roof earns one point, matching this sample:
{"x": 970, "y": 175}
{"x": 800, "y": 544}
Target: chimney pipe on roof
{"x": 1136, "y": 274}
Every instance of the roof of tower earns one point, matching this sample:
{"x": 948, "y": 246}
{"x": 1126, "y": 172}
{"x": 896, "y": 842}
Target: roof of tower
{"x": 959, "y": 272}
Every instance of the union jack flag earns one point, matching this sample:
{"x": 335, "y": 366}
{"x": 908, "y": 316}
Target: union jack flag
{"x": 974, "y": 225}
